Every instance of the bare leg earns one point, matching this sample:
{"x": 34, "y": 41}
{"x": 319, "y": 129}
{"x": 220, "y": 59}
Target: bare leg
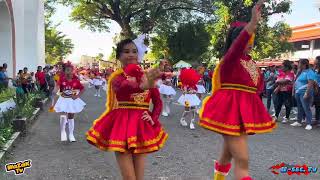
{"x": 183, "y": 118}
{"x": 238, "y": 146}
{"x": 139, "y": 164}
{"x": 125, "y": 163}
{"x": 226, "y": 155}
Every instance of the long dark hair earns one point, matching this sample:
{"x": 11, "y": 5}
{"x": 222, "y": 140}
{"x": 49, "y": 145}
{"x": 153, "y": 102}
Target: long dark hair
{"x": 304, "y": 62}
{"x": 287, "y": 65}
{"x": 121, "y": 45}
{"x": 231, "y": 36}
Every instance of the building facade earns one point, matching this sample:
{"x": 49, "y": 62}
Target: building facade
{"x": 306, "y": 41}
{"x": 22, "y": 34}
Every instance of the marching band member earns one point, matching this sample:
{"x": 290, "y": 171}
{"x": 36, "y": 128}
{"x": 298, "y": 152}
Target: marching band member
{"x": 166, "y": 89}
{"x": 69, "y": 102}
{"x": 127, "y": 127}
{"x": 235, "y": 109}
{"x": 97, "y": 82}
{"x": 189, "y": 99}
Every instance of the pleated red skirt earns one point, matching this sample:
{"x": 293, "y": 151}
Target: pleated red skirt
{"x": 234, "y": 112}
{"x": 123, "y": 130}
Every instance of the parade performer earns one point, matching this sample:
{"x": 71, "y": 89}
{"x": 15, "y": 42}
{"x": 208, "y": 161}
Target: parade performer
{"x": 189, "y": 99}
{"x": 57, "y": 73}
{"x": 90, "y": 80}
{"x": 127, "y": 127}
{"x": 166, "y": 89}
{"x": 235, "y": 109}
{"x": 69, "y": 102}
{"x": 200, "y": 88}
{"x": 98, "y": 83}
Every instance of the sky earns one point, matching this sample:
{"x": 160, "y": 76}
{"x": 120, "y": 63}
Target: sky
{"x": 91, "y": 43}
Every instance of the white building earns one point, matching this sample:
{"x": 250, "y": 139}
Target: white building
{"x": 22, "y": 40}
{"x": 306, "y": 40}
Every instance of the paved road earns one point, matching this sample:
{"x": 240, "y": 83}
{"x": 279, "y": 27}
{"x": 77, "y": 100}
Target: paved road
{"x": 188, "y": 154}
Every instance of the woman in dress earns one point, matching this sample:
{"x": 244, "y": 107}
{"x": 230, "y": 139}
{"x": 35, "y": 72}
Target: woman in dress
{"x": 189, "y": 99}
{"x": 235, "y": 109}
{"x": 69, "y": 102}
{"x": 166, "y": 89}
{"x": 127, "y": 127}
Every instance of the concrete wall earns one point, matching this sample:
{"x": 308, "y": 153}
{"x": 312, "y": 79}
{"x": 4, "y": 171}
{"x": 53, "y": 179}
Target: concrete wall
{"x": 6, "y": 53}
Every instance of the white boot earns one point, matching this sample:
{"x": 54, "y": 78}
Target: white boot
{"x": 63, "y": 122}
{"x": 183, "y": 122}
{"x": 192, "y": 124}
{"x": 167, "y": 108}
{"x": 71, "y": 129}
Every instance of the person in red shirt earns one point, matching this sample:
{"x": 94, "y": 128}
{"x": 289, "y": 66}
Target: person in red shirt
{"x": 283, "y": 90}
{"x": 235, "y": 109}
{"x": 69, "y": 102}
{"x": 41, "y": 79}
{"x": 128, "y": 127}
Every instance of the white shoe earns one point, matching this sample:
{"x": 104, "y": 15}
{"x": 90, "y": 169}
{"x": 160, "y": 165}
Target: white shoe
{"x": 99, "y": 95}
{"x": 71, "y": 129}
{"x": 198, "y": 111}
{"x": 165, "y": 114}
{"x": 95, "y": 95}
{"x": 293, "y": 119}
{"x": 63, "y": 122}
{"x": 285, "y": 120}
{"x": 192, "y": 124}
{"x": 183, "y": 122}
{"x": 308, "y": 127}
{"x": 296, "y": 124}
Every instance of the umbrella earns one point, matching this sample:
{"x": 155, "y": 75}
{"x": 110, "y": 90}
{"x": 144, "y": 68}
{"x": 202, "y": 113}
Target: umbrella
{"x": 182, "y": 64}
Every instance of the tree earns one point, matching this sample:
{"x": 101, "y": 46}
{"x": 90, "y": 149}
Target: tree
{"x": 271, "y": 41}
{"x": 189, "y": 42}
{"x": 132, "y": 15}
{"x": 57, "y": 45}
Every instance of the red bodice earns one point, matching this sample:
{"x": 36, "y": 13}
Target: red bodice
{"x": 68, "y": 86}
{"x": 238, "y": 68}
{"x": 130, "y": 92}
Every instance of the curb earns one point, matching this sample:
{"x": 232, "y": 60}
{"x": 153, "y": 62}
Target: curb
{"x": 8, "y": 146}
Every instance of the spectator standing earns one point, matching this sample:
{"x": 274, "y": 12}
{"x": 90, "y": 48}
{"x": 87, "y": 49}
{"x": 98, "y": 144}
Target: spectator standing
{"x": 317, "y": 90}
{"x": 304, "y": 90}
{"x": 41, "y": 80}
{"x": 270, "y": 81}
{"x": 25, "y": 78}
{"x": 283, "y": 91}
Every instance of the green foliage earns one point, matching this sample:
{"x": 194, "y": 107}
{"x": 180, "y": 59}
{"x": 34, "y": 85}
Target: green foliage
{"x": 134, "y": 16}
{"x": 5, "y": 134}
{"x": 271, "y": 41}
{"x": 57, "y": 45}
{"x": 189, "y": 42}
{"x": 6, "y": 94}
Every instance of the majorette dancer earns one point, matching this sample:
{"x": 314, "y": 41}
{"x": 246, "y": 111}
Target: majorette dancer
{"x": 91, "y": 77}
{"x": 189, "y": 99}
{"x": 166, "y": 90}
{"x": 200, "y": 88}
{"x": 127, "y": 127}
{"x": 235, "y": 109}
{"x": 98, "y": 83}
{"x": 69, "y": 102}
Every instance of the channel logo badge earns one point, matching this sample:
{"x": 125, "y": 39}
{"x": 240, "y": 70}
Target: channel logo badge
{"x": 284, "y": 168}
{"x": 18, "y": 167}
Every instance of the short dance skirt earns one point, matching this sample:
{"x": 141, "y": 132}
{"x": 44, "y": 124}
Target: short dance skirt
{"x": 167, "y": 90}
{"x": 191, "y": 99}
{"x": 68, "y": 105}
{"x": 123, "y": 130}
{"x": 234, "y": 112}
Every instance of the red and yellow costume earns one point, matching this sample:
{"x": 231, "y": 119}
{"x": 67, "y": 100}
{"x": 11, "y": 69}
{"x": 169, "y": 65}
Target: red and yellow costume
{"x": 235, "y": 107}
{"x": 121, "y": 128}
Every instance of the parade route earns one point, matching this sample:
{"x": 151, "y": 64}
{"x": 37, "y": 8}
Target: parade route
{"x": 187, "y": 155}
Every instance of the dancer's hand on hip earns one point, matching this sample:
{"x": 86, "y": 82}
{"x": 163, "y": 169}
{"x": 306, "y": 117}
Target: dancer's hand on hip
{"x": 146, "y": 117}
